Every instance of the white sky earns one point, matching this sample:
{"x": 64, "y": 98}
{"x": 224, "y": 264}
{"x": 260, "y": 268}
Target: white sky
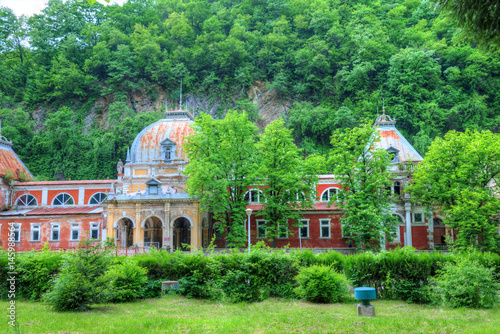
{"x": 30, "y": 7}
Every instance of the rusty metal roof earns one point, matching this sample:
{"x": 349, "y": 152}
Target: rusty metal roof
{"x": 55, "y": 211}
{"x": 55, "y": 183}
{"x": 391, "y": 137}
{"x": 146, "y": 147}
{"x": 9, "y": 161}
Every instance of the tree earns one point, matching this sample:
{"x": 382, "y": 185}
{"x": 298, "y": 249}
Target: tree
{"x": 460, "y": 175}
{"x": 479, "y": 19}
{"x": 362, "y": 172}
{"x": 287, "y": 180}
{"x": 222, "y": 168}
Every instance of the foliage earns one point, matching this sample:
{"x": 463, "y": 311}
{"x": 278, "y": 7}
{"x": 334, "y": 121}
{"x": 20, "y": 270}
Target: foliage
{"x": 459, "y": 174}
{"x": 221, "y": 169}
{"x": 81, "y": 281}
{"x": 321, "y": 284}
{"x": 466, "y": 283}
{"x": 286, "y": 180}
{"x": 127, "y": 281}
{"x": 362, "y": 171}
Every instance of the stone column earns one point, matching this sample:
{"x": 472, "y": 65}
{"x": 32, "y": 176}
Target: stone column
{"x": 430, "y": 236}
{"x": 138, "y": 236}
{"x": 408, "y": 237}
{"x": 196, "y": 229}
{"x": 166, "y": 227}
{"x": 111, "y": 220}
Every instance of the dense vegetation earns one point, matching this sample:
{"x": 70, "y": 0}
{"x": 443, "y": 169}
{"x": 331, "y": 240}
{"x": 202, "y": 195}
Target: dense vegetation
{"x": 72, "y": 70}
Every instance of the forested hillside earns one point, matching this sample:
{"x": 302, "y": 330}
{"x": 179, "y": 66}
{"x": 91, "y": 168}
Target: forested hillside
{"x": 69, "y": 76}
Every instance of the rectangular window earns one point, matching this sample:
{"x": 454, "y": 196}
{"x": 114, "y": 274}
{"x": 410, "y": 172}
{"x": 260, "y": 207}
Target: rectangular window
{"x": 325, "y": 228}
{"x": 282, "y": 231}
{"x": 304, "y": 230}
{"x": 94, "y": 230}
{"x": 75, "y": 231}
{"x": 17, "y": 232}
{"x": 395, "y": 235}
{"x": 418, "y": 217}
{"x": 35, "y": 232}
{"x": 54, "y": 232}
{"x": 261, "y": 229}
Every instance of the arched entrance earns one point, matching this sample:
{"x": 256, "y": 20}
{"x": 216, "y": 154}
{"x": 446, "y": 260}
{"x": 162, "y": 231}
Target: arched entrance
{"x": 124, "y": 233}
{"x": 182, "y": 234}
{"x": 153, "y": 233}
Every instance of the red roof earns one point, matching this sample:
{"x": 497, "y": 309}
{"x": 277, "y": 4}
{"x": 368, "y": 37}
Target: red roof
{"x": 9, "y": 161}
{"x": 62, "y": 211}
{"x": 54, "y": 183}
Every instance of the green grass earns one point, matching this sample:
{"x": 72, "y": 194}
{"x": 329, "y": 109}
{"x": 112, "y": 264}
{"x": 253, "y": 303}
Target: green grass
{"x": 175, "y": 314}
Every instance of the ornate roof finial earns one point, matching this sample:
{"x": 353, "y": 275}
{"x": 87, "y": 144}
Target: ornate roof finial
{"x": 128, "y": 155}
{"x": 383, "y": 109}
{"x": 181, "y": 96}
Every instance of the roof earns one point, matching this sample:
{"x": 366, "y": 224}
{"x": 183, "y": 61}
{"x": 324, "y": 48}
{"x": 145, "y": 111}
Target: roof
{"x": 146, "y": 147}
{"x": 391, "y": 137}
{"x": 55, "y": 211}
{"x": 9, "y": 161}
{"x": 55, "y": 183}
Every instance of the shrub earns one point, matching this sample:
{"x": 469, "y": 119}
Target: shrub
{"x": 127, "y": 282}
{"x": 197, "y": 286}
{"x": 321, "y": 284}
{"x": 240, "y": 286}
{"x": 466, "y": 283}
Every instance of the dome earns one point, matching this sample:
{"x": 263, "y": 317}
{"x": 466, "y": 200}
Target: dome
{"x": 147, "y": 146}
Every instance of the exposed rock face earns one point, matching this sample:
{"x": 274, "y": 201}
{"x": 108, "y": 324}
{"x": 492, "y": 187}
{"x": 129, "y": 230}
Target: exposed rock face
{"x": 271, "y": 107}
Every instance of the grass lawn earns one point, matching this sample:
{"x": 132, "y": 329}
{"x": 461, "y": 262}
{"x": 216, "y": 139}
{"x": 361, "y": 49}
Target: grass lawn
{"x": 175, "y": 314}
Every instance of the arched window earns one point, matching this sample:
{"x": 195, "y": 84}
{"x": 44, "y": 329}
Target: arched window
{"x": 397, "y": 188}
{"x": 254, "y": 196}
{"x": 63, "y": 199}
{"x": 97, "y": 198}
{"x": 329, "y": 194}
{"x": 438, "y": 222}
{"x": 27, "y": 200}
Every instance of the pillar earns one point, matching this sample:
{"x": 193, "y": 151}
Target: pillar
{"x": 111, "y": 220}
{"x": 430, "y": 235}
{"x": 408, "y": 236}
{"x": 138, "y": 236}
{"x": 166, "y": 227}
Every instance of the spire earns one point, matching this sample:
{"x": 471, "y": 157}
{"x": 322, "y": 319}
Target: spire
{"x": 128, "y": 155}
{"x": 384, "y": 119}
{"x": 383, "y": 109}
{"x": 181, "y": 97}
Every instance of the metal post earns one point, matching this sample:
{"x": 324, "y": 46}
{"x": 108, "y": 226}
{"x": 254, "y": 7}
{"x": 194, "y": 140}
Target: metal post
{"x": 249, "y": 213}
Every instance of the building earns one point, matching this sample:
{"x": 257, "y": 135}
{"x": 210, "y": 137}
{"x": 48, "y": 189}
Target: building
{"x": 148, "y": 204}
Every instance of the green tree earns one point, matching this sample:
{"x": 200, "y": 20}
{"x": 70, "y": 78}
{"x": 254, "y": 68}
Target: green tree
{"x": 287, "y": 180}
{"x": 362, "y": 171}
{"x": 460, "y": 175}
{"x": 222, "y": 165}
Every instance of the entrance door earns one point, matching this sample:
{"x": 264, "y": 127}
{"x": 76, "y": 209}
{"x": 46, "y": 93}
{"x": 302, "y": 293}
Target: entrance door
{"x": 439, "y": 234}
{"x": 125, "y": 233}
{"x": 153, "y": 233}
{"x": 182, "y": 234}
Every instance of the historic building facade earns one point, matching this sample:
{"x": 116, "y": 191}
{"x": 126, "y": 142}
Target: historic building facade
{"x": 148, "y": 205}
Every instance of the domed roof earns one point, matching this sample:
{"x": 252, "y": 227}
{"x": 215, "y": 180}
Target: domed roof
{"x": 146, "y": 147}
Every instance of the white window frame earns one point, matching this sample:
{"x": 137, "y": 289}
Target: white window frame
{"x": 286, "y": 232}
{"x": 29, "y": 204}
{"x": 321, "y": 225}
{"x": 55, "y": 227}
{"x": 259, "y": 223}
{"x": 91, "y": 197}
{"x": 34, "y": 227}
{"x": 328, "y": 194}
{"x": 415, "y": 220}
{"x": 259, "y": 193}
{"x": 64, "y": 204}
{"x": 17, "y": 228}
{"x": 74, "y": 227}
{"x": 305, "y": 223}
{"x": 94, "y": 228}
{"x": 344, "y": 235}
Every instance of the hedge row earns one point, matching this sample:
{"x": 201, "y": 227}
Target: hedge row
{"x": 401, "y": 274}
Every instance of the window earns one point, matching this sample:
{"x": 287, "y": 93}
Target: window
{"x": 344, "y": 234}
{"x": 397, "y": 188}
{"x": 75, "y": 231}
{"x": 54, "y": 232}
{"x": 254, "y": 196}
{"x": 17, "y": 232}
{"x": 329, "y": 194}
{"x": 35, "y": 232}
{"x": 168, "y": 153}
{"x": 418, "y": 217}
{"x": 153, "y": 190}
{"x": 396, "y": 234}
{"x": 282, "y": 231}
{"x": 98, "y": 198}
{"x": 63, "y": 199}
{"x": 218, "y": 231}
{"x": 438, "y": 222}
{"x": 26, "y": 200}
{"x": 261, "y": 229}
{"x": 304, "y": 230}
{"x": 325, "y": 228}
{"x": 94, "y": 230}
